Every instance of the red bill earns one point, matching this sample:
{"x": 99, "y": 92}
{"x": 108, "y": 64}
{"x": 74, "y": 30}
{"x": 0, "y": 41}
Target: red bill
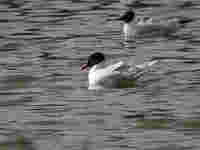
{"x": 84, "y": 67}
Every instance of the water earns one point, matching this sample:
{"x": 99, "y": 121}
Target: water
{"x": 46, "y": 101}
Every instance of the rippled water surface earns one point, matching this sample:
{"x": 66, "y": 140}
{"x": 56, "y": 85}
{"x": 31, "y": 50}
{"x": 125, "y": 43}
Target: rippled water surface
{"x": 44, "y": 95}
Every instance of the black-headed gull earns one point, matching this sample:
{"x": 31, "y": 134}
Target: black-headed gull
{"x": 116, "y": 75}
{"x": 136, "y": 27}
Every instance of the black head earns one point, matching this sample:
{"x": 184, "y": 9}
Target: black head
{"x": 128, "y": 16}
{"x": 94, "y": 59}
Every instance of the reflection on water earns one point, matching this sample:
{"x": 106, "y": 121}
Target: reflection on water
{"x": 45, "y": 103}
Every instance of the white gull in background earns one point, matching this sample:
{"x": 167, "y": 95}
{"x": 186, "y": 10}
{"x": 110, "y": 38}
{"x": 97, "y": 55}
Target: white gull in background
{"x": 134, "y": 26}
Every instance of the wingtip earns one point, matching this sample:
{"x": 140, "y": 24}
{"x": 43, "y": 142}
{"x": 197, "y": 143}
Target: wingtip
{"x": 185, "y": 20}
{"x": 147, "y": 64}
{"x": 152, "y": 62}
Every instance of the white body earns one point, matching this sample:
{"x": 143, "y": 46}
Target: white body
{"x": 116, "y": 75}
{"x": 141, "y": 28}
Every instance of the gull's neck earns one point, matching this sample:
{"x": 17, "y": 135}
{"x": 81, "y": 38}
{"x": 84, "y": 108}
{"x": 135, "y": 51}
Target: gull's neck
{"x": 95, "y": 73}
{"x": 129, "y": 29}
{"x": 96, "y": 67}
{"x": 93, "y": 69}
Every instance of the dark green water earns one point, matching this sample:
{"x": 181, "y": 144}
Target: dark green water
{"x": 45, "y": 103}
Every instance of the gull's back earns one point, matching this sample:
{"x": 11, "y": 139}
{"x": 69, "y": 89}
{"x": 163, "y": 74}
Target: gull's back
{"x": 150, "y": 29}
